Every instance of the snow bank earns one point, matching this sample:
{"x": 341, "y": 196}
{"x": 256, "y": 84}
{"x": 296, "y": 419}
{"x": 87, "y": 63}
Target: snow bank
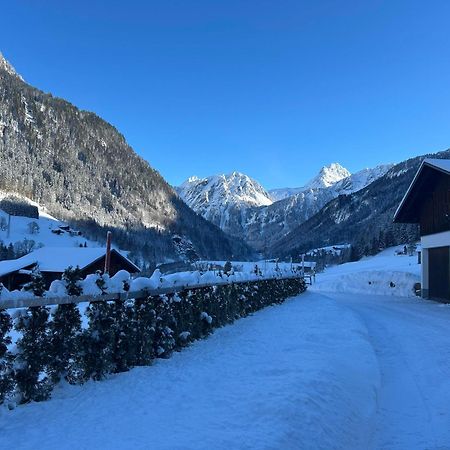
{"x": 384, "y": 274}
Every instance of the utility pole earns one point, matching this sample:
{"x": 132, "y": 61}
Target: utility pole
{"x": 108, "y": 252}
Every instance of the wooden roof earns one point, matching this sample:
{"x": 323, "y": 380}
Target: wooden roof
{"x": 421, "y": 188}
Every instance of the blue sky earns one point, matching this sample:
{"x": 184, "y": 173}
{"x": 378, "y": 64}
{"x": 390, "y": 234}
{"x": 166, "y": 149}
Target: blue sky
{"x": 275, "y": 89}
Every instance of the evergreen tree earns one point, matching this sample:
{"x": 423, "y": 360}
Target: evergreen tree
{"x": 6, "y": 359}
{"x": 10, "y": 252}
{"x": 124, "y": 351}
{"x": 65, "y": 344}
{"x": 100, "y": 281}
{"x": 33, "y": 355}
{"x": 72, "y": 278}
{"x": 98, "y": 341}
{"x": 143, "y": 325}
{"x": 227, "y": 268}
{"x": 37, "y": 283}
{"x": 163, "y": 341}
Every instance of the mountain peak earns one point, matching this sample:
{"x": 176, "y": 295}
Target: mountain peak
{"x": 328, "y": 176}
{"x": 221, "y": 198}
{"x": 7, "y": 67}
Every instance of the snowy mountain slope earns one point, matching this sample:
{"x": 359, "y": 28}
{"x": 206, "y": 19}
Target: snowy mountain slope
{"x": 241, "y": 207}
{"x": 336, "y": 177}
{"x": 360, "y": 179}
{"x": 7, "y": 67}
{"x": 83, "y": 170}
{"x": 43, "y": 235}
{"x": 327, "y": 176}
{"x": 220, "y": 198}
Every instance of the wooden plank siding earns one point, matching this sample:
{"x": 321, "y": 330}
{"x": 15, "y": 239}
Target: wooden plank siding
{"x": 435, "y": 210}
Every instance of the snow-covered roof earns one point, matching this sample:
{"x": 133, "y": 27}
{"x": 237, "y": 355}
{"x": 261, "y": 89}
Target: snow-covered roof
{"x": 56, "y": 259}
{"x": 442, "y": 165}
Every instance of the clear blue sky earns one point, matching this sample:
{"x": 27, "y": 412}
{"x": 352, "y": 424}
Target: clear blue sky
{"x": 275, "y": 89}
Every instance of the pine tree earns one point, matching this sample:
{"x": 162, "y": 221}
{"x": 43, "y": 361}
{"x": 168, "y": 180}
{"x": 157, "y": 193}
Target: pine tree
{"x": 6, "y": 359}
{"x": 37, "y": 283}
{"x": 98, "y": 341}
{"x": 124, "y": 351}
{"x": 65, "y": 329}
{"x": 227, "y": 268}
{"x": 143, "y": 325}
{"x": 164, "y": 341}
{"x": 33, "y": 355}
{"x": 100, "y": 281}
{"x": 72, "y": 278}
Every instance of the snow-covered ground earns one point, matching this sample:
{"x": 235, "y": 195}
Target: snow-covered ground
{"x": 45, "y": 236}
{"x": 326, "y": 370}
{"x": 384, "y": 274}
{"x": 411, "y": 340}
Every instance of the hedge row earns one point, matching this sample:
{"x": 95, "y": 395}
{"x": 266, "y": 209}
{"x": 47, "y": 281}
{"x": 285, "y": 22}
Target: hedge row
{"x": 119, "y": 335}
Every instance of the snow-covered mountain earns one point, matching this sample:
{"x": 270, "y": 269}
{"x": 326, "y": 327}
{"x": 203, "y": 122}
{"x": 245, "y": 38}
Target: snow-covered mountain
{"x": 336, "y": 176}
{"x": 241, "y": 206}
{"x": 7, "y": 67}
{"x": 327, "y": 176}
{"x": 219, "y": 198}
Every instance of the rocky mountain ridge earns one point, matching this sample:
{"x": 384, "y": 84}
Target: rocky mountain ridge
{"x": 248, "y": 211}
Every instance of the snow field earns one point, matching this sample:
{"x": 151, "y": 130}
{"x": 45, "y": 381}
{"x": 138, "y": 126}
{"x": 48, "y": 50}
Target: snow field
{"x": 299, "y": 375}
{"x": 384, "y": 274}
{"x": 45, "y": 237}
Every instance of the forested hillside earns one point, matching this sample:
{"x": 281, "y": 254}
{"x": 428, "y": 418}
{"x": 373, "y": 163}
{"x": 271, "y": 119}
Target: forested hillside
{"x": 82, "y": 170}
{"x": 363, "y": 219}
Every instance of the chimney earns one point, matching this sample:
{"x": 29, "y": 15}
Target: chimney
{"x": 108, "y": 252}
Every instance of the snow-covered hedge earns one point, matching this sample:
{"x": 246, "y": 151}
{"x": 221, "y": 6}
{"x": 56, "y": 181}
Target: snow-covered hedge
{"x": 91, "y": 340}
{"x": 122, "y": 281}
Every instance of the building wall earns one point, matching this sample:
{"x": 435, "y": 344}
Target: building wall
{"x": 435, "y": 210}
{"x": 431, "y": 241}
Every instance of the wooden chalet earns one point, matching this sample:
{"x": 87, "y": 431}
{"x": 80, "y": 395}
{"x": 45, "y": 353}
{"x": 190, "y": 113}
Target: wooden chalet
{"x": 53, "y": 261}
{"x": 427, "y": 203}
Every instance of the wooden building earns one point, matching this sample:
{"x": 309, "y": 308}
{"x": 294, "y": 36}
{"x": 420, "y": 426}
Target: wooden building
{"x": 53, "y": 261}
{"x": 427, "y": 203}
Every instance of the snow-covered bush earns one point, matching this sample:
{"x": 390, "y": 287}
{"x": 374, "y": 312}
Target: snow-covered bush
{"x": 6, "y": 358}
{"x": 33, "y": 355}
{"x": 119, "y": 335}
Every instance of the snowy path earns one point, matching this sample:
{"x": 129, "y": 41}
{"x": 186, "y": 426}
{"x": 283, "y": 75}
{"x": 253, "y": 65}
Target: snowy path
{"x": 301, "y": 375}
{"x": 411, "y": 338}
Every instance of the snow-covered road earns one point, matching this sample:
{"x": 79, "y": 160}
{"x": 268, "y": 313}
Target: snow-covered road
{"x": 411, "y": 338}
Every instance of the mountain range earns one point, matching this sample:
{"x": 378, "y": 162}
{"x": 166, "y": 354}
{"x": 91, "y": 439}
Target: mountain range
{"x": 241, "y": 207}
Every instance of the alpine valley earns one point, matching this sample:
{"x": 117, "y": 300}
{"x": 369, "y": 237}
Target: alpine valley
{"x": 81, "y": 170}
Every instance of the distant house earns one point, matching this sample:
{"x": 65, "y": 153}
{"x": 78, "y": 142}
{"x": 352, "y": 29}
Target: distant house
{"x": 427, "y": 202}
{"x": 53, "y": 261}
